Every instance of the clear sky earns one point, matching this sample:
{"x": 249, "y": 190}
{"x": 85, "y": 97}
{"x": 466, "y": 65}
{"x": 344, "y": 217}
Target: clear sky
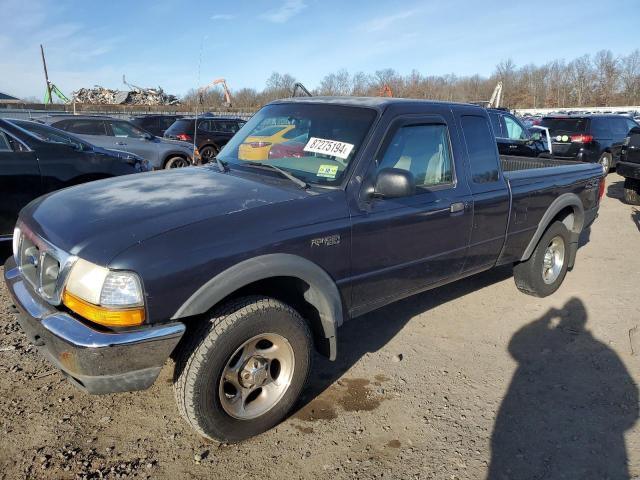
{"x": 160, "y": 43}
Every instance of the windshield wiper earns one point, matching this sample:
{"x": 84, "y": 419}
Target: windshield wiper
{"x": 299, "y": 182}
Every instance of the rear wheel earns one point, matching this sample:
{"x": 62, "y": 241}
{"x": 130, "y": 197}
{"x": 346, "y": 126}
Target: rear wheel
{"x": 605, "y": 161}
{"x": 176, "y": 162}
{"x": 632, "y": 191}
{"x": 239, "y": 373}
{"x": 208, "y": 153}
{"x": 543, "y": 273}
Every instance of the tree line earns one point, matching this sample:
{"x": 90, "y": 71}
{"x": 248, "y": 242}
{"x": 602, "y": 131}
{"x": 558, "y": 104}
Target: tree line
{"x": 603, "y": 79}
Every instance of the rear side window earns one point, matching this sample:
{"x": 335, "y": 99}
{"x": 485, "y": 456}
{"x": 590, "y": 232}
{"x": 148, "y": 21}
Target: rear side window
{"x": 481, "y": 148}
{"x": 600, "y": 128}
{"x": 619, "y": 127}
{"x": 84, "y": 127}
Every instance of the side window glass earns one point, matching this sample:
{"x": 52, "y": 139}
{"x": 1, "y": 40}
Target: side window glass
{"x": 514, "y": 130}
{"x": 5, "y": 145}
{"x": 422, "y": 150}
{"x": 122, "y": 129}
{"x": 600, "y": 128}
{"x": 630, "y": 124}
{"x": 481, "y": 149}
{"x": 495, "y": 123}
{"x": 86, "y": 127}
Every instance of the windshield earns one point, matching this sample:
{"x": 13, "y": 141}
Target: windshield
{"x": 326, "y": 138}
{"x": 50, "y": 134}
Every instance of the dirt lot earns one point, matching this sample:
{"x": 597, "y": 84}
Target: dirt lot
{"x": 467, "y": 381}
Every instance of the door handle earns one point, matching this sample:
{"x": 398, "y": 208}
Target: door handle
{"x": 457, "y": 207}
{"x": 513, "y": 146}
{"x": 120, "y": 143}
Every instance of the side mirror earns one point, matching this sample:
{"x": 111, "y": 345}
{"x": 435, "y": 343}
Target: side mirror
{"x": 148, "y": 136}
{"x": 394, "y": 183}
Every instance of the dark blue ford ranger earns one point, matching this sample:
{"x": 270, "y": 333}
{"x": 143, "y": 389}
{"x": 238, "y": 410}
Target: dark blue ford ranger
{"x": 241, "y": 268}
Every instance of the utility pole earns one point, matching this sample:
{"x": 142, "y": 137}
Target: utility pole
{"x": 46, "y": 75}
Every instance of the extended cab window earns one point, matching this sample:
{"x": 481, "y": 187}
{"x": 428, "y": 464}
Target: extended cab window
{"x": 422, "y": 150}
{"x": 496, "y": 124}
{"x": 481, "y": 148}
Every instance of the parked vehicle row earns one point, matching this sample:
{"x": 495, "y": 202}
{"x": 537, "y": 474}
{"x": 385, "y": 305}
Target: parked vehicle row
{"x": 123, "y": 135}
{"x": 36, "y": 159}
{"x": 629, "y": 166}
{"x": 386, "y": 198}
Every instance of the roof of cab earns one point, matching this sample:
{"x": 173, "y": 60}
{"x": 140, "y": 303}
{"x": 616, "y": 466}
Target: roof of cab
{"x": 371, "y": 102}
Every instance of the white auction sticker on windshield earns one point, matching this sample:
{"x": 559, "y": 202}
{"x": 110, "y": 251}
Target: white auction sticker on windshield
{"x": 329, "y": 147}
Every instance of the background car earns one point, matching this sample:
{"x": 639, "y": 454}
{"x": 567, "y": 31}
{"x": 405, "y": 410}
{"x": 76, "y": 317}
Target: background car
{"x": 213, "y": 133}
{"x": 589, "y": 138}
{"x": 123, "y": 135}
{"x": 154, "y": 124}
{"x": 513, "y": 137}
{"x": 36, "y": 159}
{"x": 258, "y": 144}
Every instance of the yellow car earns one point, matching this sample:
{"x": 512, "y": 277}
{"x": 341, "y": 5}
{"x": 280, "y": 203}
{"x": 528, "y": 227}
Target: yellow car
{"x": 257, "y": 145}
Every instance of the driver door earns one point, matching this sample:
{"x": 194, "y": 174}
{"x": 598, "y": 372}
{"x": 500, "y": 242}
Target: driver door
{"x": 404, "y": 245}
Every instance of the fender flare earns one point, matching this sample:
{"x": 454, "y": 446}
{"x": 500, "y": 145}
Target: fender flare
{"x": 563, "y": 201}
{"x": 323, "y": 293}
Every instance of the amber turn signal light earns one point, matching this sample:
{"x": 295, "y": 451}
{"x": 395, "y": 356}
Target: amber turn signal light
{"x": 128, "y": 317}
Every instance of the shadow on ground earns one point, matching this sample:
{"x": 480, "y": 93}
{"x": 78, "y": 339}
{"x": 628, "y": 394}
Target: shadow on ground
{"x": 616, "y": 190}
{"x": 568, "y": 405}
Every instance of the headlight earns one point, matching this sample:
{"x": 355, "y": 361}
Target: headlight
{"x": 16, "y": 242}
{"x": 103, "y": 296}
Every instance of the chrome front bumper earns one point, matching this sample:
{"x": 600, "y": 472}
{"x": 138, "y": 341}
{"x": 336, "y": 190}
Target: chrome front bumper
{"x": 95, "y": 361}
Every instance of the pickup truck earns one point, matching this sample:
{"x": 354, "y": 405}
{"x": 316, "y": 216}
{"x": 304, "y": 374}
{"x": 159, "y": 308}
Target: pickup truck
{"x": 240, "y": 269}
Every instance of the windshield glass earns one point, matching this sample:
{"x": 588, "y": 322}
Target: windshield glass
{"x": 314, "y": 142}
{"x": 50, "y": 134}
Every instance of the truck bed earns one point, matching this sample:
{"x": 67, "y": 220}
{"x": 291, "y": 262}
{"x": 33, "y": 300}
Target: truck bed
{"x": 512, "y": 163}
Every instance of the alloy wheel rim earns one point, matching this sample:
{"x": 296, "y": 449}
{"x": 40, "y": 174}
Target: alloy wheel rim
{"x": 553, "y": 260}
{"x": 256, "y": 376}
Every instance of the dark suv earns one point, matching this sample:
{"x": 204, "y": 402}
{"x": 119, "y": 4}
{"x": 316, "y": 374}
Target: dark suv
{"x": 589, "y": 138}
{"x": 155, "y": 124}
{"x": 513, "y": 137}
{"x": 213, "y": 133}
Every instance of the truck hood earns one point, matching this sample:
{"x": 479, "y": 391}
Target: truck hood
{"x": 98, "y": 220}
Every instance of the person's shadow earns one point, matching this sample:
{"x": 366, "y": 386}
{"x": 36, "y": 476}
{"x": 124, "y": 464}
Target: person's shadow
{"x": 569, "y": 403}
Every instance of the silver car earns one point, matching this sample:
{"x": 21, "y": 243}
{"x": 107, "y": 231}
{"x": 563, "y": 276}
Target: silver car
{"x": 119, "y": 134}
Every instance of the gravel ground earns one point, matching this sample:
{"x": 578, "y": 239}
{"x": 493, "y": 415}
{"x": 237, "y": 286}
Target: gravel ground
{"x": 471, "y": 380}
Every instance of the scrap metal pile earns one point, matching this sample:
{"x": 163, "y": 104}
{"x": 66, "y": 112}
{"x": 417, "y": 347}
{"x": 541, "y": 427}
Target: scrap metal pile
{"x": 139, "y": 96}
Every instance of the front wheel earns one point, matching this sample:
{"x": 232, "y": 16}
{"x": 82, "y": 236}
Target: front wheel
{"x": 208, "y": 153}
{"x": 239, "y": 373}
{"x": 632, "y": 191}
{"x": 176, "y": 162}
{"x": 543, "y": 273}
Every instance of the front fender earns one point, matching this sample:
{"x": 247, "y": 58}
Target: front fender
{"x": 323, "y": 293}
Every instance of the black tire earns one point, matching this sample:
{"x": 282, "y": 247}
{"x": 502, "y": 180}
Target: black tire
{"x": 208, "y": 153}
{"x": 528, "y": 275}
{"x": 176, "y": 162}
{"x": 632, "y": 191}
{"x": 206, "y": 352}
{"x": 606, "y": 161}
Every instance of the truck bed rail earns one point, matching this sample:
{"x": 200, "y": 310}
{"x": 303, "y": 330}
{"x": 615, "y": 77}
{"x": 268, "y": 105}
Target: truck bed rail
{"x": 512, "y": 163}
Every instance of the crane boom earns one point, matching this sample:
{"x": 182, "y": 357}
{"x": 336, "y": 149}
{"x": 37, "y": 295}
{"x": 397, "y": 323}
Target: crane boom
{"x": 218, "y": 81}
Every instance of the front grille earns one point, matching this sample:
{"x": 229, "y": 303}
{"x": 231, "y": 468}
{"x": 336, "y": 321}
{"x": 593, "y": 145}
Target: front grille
{"x": 43, "y": 265}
